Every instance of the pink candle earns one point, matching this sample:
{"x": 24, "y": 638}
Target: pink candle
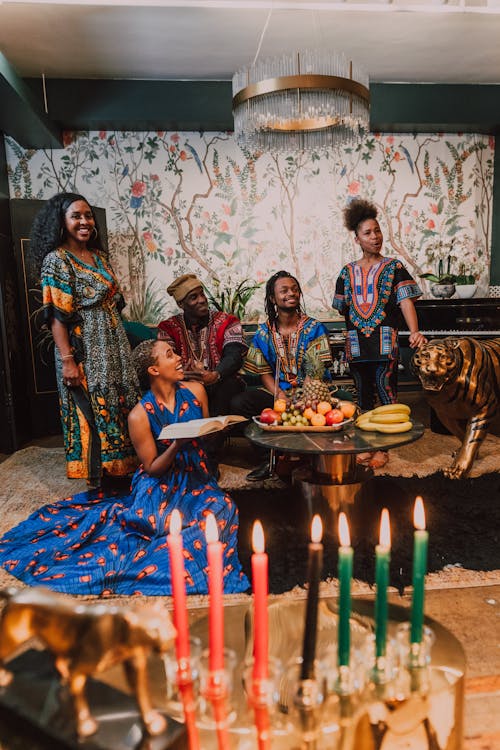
{"x": 215, "y": 590}
{"x": 260, "y": 591}
{"x": 174, "y": 542}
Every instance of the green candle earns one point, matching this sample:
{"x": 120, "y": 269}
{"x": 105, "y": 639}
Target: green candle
{"x": 420, "y": 542}
{"x": 345, "y": 575}
{"x": 382, "y": 560}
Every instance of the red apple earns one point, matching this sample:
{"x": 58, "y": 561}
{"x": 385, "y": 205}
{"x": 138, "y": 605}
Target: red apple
{"x": 269, "y": 416}
{"x": 335, "y": 416}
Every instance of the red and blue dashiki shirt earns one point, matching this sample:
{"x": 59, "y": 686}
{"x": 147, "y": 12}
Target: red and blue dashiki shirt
{"x": 218, "y": 344}
{"x": 369, "y": 299}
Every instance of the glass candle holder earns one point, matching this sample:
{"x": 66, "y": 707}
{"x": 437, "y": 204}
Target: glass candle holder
{"x": 179, "y": 676}
{"x": 300, "y": 702}
{"x": 263, "y": 693}
{"x": 216, "y": 687}
{"x": 262, "y": 699}
{"x": 381, "y": 670}
{"x": 414, "y": 659}
{"x": 414, "y": 654}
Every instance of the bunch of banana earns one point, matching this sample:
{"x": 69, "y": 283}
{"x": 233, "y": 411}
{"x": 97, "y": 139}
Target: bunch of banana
{"x": 389, "y": 418}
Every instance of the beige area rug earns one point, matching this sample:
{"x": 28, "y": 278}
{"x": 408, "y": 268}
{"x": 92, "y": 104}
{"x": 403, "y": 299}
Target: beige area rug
{"x": 434, "y": 452}
{"x": 35, "y": 476}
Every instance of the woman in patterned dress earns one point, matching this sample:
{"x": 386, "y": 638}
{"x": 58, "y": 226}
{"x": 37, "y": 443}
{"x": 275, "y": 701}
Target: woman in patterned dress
{"x": 96, "y": 380}
{"x": 371, "y": 293}
{"x": 118, "y": 544}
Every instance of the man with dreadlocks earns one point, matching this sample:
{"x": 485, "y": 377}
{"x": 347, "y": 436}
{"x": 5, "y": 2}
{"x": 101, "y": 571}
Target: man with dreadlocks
{"x": 278, "y": 351}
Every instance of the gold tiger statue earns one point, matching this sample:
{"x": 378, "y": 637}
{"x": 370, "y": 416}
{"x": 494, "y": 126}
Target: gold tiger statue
{"x": 461, "y": 381}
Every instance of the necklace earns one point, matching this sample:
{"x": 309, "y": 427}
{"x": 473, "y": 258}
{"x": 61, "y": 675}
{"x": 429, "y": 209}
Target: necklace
{"x": 286, "y": 347}
{"x": 198, "y": 345}
{"x": 84, "y": 256}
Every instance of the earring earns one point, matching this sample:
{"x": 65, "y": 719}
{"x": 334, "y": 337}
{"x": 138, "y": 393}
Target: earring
{"x": 61, "y": 233}
{"x": 96, "y": 232}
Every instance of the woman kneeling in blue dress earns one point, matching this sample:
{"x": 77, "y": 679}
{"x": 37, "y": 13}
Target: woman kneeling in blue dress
{"x": 99, "y": 544}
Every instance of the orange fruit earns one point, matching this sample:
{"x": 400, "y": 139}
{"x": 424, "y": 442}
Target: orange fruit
{"x": 318, "y": 420}
{"x": 280, "y": 405}
{"x": 323, "y": 407}
{"x": 347, "y": 408}
{"x": 308, "y": 413}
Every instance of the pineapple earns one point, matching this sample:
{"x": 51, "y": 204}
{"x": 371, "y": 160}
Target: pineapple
{"x": 314, "y": 388}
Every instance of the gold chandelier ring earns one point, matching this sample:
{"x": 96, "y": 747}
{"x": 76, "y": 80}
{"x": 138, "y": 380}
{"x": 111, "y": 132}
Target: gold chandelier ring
{"x": 303, "y": 82}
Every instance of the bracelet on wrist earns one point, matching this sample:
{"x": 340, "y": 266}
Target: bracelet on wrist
{"x": 67, "y": 356}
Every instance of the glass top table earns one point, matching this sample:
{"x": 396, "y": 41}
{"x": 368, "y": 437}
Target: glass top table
{"x": 349, "y": 440}
{"x": 334, "y": 475}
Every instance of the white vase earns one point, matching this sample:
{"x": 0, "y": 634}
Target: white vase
{"x": 443, "y": 291}
{"x": 465, "y": 291}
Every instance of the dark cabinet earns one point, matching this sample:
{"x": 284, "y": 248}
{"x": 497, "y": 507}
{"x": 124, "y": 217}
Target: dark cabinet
{"x": 26, "y": 348}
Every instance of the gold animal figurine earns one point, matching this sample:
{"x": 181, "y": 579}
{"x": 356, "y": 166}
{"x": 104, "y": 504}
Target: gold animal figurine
{"x": 86, "y": 640}
{"x": 461, "y": 381}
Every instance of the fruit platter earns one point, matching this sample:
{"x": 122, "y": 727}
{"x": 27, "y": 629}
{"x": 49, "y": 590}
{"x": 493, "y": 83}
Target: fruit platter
{"x": 306, "y": 415}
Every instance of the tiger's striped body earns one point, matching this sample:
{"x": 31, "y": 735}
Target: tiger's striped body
{"x": 461, "y": 381}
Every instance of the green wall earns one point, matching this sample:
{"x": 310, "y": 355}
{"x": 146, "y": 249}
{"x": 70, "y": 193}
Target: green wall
{"x": 495, "y": 231}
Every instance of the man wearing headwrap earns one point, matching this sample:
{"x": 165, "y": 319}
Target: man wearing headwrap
{"x": 210, "y": 342}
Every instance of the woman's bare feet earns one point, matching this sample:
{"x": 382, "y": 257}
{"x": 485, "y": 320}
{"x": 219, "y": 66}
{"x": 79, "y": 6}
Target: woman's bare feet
{"x": 378, "y": 459}
{"x": 363, "y": 459}
{"x": 375, "y": 459}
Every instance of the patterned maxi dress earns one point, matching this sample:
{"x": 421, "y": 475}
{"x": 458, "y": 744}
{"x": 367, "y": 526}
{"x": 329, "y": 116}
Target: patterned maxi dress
{"x": 99, "y": 544}
{"x": 94, "y": 416}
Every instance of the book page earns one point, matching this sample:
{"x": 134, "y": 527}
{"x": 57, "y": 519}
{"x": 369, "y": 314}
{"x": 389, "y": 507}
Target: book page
{"x": 198, "y": 427}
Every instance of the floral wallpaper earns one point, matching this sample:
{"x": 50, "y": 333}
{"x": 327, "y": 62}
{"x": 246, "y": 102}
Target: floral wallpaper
{"x": 190, "y": 202}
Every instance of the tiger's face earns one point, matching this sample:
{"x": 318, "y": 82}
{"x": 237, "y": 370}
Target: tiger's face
{"x": 436, "y": 363}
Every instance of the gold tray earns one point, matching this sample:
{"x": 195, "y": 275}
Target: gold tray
{"x": 301, "y": 428}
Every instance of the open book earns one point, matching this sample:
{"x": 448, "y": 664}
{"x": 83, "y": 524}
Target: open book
{"x": 198, "y": 427}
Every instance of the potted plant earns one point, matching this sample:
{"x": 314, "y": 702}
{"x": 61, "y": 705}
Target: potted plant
{"x": 465, "y": 283}
{"x": 231, "y": 299}
{"x": 443, "y": 284}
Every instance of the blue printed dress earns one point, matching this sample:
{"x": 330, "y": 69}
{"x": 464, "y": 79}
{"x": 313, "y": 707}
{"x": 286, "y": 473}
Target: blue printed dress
{"x": 102, "y": 545}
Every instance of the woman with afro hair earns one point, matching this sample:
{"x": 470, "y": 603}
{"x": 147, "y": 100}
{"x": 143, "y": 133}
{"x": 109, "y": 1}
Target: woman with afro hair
{"x": 371, "y": 293}
{"x": 96, "y": 380}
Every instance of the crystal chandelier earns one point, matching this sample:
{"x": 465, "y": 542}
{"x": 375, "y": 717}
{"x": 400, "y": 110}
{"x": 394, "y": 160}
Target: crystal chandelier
{"x": 301, "y": 101}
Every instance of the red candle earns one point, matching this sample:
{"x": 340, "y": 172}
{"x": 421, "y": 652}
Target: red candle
{"x": 215, "y": 591}
{"x": 174, "y": 542}
{"x": 260, "y": 591}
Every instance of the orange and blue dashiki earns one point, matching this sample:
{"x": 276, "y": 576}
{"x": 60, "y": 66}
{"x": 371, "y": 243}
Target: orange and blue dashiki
{"x": 86, "y": 299}
{"x": 100, "y": 544}
{"x": 369, "y": 299}
{"x": 263, "y": 356}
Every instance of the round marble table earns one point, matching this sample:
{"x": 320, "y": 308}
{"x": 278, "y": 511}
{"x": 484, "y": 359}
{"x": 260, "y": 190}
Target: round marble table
{"x": 334, "y": 476}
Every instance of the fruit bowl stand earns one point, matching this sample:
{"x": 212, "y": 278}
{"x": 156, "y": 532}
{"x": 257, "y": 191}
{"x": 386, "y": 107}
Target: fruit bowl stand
{"x": 335, "y": 475}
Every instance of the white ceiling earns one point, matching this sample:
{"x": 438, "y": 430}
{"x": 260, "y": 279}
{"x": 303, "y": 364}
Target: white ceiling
{"x": 454, "y": 42}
